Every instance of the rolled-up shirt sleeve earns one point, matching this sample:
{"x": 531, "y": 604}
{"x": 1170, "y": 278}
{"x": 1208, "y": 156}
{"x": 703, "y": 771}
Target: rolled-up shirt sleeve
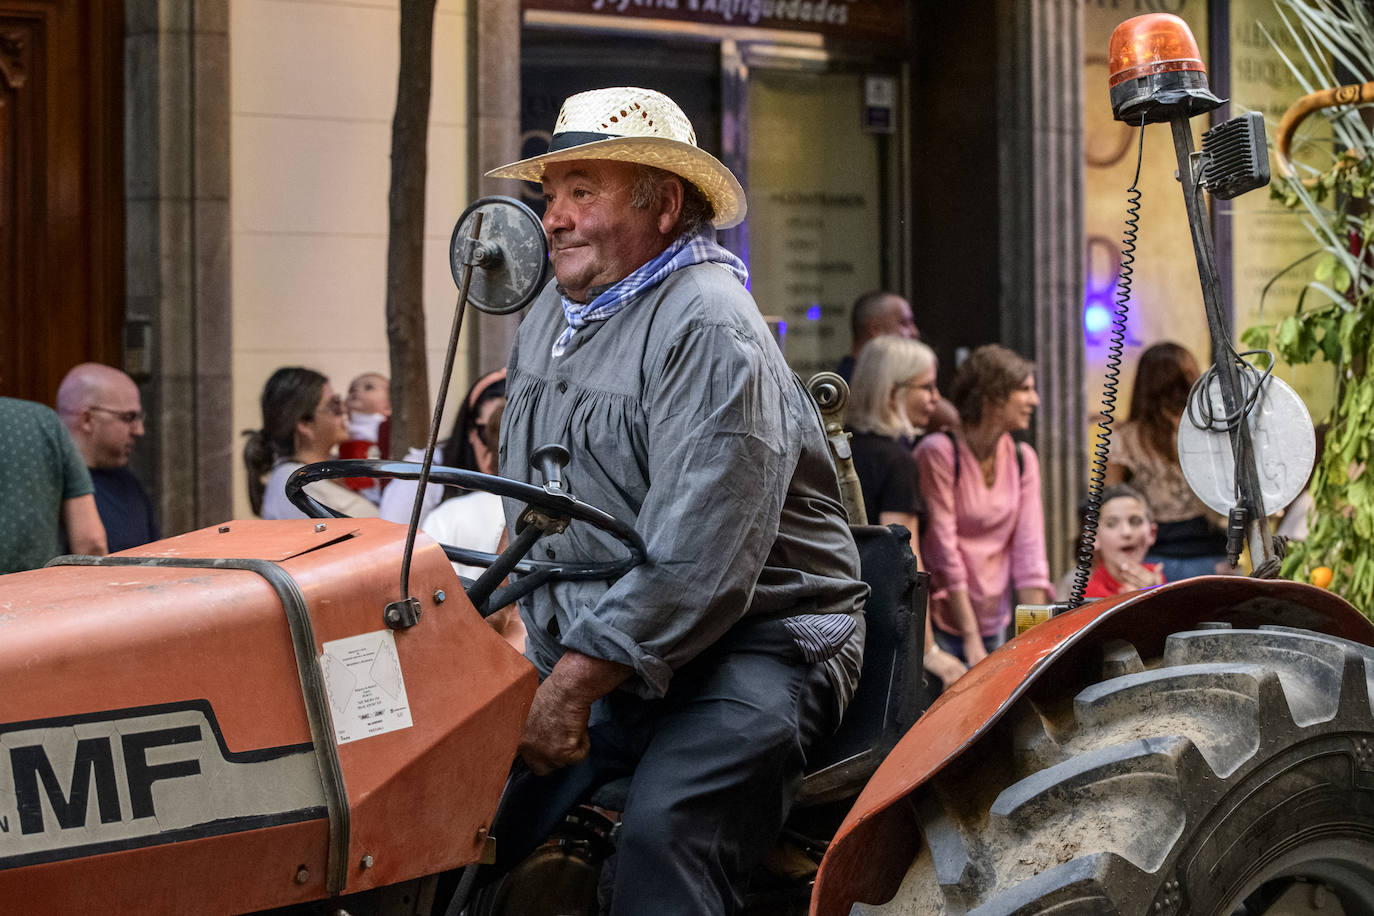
{"x": 719, "y": 460}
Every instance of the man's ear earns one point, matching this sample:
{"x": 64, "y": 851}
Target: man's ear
{"x": 670, "y": 205}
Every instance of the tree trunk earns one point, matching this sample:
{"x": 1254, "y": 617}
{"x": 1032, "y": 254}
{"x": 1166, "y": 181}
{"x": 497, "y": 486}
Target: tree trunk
{"x": 405, "y": 307}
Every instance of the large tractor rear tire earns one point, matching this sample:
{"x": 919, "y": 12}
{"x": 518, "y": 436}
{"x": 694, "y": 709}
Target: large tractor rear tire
{"x": 1236, "y": 770}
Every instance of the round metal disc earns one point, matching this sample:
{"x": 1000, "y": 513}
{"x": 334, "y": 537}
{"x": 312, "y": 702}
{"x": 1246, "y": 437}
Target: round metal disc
{"x": 1284, "y": 442}
{"x": 515, "y": 260}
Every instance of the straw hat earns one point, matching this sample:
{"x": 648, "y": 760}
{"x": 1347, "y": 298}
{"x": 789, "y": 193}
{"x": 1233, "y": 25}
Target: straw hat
{"x": 635, "y": 125}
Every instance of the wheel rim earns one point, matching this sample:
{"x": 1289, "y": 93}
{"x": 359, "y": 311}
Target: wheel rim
{"x": 1340, "y": 866}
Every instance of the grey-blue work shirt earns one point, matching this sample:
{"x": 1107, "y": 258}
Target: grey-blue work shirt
{"x": 682, "y": 418}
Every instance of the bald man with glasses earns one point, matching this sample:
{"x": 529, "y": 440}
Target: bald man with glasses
{"x": 104, "y": 414}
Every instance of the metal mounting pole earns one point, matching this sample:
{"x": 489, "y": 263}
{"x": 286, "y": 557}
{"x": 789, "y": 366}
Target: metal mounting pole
{"x": 1249, "y": 495}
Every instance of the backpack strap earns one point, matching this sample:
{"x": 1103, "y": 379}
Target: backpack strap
{"x": 1020, "y": 456}
{"x": 954, "y": 444}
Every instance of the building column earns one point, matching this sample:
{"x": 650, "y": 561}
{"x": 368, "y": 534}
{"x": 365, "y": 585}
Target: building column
{"x": 494, "y": 100}
{"x": 1040, "y": 136}
{"x": 177, "y": 329}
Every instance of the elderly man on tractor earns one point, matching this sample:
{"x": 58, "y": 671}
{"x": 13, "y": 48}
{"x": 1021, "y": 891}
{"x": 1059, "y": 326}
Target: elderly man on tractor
{"x": 705, "y": 673}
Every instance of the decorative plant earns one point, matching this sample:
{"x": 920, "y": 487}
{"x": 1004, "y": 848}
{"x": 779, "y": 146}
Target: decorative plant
{"x": 1333, "y": 318}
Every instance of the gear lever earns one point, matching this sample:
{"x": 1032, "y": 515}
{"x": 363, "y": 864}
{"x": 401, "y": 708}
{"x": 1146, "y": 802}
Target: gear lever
{"x": 550, "y": 460}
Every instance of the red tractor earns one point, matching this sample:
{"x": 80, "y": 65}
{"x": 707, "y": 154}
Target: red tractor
{"x": 244, "y": 718}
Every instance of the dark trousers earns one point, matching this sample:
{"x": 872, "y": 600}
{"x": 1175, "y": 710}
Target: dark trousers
{"x": 714, "y": 767}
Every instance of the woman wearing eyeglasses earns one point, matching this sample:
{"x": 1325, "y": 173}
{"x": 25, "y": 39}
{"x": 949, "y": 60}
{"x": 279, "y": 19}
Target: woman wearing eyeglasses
{"x": 303, "y": 421}
{"x": 891, "y": 401}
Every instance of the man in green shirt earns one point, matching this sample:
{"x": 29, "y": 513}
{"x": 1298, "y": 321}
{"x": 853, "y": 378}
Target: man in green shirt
{"x": 44, "y": 488}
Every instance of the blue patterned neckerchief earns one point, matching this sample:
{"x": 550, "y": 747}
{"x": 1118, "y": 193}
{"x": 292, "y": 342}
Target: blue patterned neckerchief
{"x": 698, "y": 248}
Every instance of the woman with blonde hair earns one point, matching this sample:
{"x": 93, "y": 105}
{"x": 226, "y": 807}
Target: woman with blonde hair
{"x": 890, "y": 402}
{"x": 986, "y": 534}
{"x": 303, "y": 421}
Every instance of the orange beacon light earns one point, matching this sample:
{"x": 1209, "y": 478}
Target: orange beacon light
{"x": 1156, "y": 71}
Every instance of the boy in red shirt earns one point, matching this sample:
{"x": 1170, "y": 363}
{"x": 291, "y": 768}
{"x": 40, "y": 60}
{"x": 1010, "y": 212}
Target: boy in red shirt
{"x": 1125, "y": 533}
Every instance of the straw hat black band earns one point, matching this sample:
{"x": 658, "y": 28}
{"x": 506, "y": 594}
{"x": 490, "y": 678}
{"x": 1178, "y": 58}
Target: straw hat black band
{"x": 571, "y": 138}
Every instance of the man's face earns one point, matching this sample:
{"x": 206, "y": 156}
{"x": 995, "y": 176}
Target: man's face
{"x": 897, "y": 319}
{"x": 112, "y": 424}
{"x": 595, "y": 236}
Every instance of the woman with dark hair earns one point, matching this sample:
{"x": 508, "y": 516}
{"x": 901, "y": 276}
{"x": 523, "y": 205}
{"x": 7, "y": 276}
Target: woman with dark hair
{"x": 303, "y": 420}
{"x": 466, "y": 448}
{"x": 982, "y": 491}
{"x": 1144, "y": 454}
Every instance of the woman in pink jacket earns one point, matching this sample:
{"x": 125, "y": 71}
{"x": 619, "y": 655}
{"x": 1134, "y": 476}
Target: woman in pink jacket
{"x": 986, "y": 534}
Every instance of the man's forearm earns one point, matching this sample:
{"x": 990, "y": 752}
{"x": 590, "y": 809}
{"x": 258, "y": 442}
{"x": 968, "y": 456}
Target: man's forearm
{"x": 580, "y": 679}
{"x": 556, "y": 730}
{"x": 85, "y": 532}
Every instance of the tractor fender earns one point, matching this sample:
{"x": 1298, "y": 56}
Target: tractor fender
{"x": 879, "y": 839}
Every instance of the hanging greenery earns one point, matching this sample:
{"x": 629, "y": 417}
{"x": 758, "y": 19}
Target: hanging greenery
{"x": 1333, "y": 319}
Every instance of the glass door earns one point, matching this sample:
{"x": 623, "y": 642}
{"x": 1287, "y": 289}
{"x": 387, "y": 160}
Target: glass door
{"x": 821, "y": 214}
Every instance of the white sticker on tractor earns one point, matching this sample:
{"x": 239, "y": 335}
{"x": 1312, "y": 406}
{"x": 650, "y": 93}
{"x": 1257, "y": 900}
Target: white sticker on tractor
{"x": 367, "y": 694}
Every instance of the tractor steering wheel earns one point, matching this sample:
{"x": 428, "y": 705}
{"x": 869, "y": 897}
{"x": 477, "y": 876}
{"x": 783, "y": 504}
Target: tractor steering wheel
{"x": 547, "y": 509}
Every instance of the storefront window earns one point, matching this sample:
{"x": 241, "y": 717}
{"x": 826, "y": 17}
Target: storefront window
{"x": 816, "y": 213}
{"x": 807, "y": 112}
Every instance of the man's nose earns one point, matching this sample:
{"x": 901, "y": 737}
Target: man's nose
{"x": 555, "y": 217}
{"x": 137, "y": 427}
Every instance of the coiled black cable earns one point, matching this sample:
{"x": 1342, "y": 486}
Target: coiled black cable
{"x": 1097, "y": 477}
{"x": 1202, "y": 410}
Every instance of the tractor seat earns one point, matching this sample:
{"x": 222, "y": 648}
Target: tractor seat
{"x": 891, "y": 694}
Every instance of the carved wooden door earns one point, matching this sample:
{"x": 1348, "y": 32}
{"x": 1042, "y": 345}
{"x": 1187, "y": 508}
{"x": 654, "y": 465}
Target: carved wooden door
{"x": 61, "y": 190}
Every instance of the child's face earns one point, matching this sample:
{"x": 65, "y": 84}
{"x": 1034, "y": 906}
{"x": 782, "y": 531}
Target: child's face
{"x": 369, "y": 394}
{"x": 1124, "y": 532}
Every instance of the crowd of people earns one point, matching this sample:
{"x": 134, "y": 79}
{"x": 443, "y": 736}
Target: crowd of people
{"x": 979, "y": 532}
{"x": 955, "y": 474}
